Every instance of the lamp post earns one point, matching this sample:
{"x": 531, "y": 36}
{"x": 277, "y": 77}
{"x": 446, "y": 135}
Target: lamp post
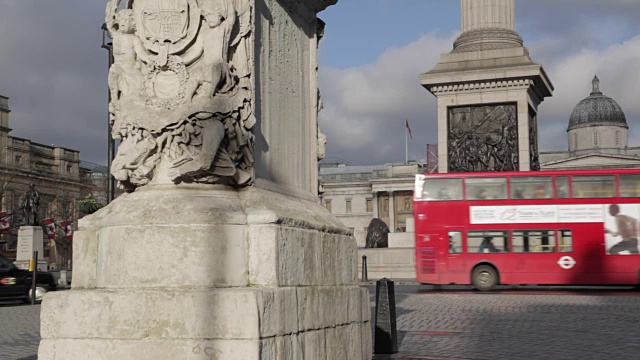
{"x": 111, "y": 143}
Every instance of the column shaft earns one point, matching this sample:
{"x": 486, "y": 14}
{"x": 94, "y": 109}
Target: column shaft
{"x": 487, "y": 14}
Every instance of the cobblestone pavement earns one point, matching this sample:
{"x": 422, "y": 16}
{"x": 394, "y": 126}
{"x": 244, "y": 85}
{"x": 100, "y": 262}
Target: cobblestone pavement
{"x": 459, "y": 325}
{"x": 19, "y": 331}
{"x": 517, "y": 325}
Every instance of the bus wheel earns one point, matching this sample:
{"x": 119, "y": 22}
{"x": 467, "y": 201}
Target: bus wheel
{"x": 484, "y": 278}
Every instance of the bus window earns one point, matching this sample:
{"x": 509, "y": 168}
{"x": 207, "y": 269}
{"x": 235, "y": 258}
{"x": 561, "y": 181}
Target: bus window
{"x": 629, "y": 186}
{"x": 533, "y": 241}
{"x": 455, "y": 242}
{"x": 565, "y": 241}
{"x": 562, "y": 187}
{"x": 595, "y": 186}
{"x": 538, "y": 187}
{"x": 441, "y": 189}
{"x": 486, "y": 188}
{"x": 487, "y": 242}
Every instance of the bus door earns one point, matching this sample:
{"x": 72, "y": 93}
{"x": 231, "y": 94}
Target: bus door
{"x": 426, "y": 258}
{"x": 453, "y": 250}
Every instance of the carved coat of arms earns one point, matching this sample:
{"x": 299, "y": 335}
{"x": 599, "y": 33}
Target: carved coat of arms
{"x": 165, "y": 20}
{"x": 181, "y": 89}
{"x": 166, "y": 25}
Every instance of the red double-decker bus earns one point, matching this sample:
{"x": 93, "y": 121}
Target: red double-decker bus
{"x": 545, "y": 227}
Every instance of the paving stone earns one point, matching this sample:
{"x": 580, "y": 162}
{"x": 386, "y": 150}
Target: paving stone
{"x": 574, "y": 325}
{"x": 19, "y": 331}
{"x": 457, "y": 326}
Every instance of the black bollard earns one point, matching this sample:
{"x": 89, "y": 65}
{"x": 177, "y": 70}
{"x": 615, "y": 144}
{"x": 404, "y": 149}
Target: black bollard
{"x": 365, "y": 275}
{"x": 386, "y": 339}
{"x": 33, "y": 281}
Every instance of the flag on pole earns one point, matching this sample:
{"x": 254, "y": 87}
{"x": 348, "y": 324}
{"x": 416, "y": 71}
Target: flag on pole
{"x": 408, "y": 128}
{"x": 68, "y": 229}
{"x": 50, "y": 225}
{"x": 5, "y": 222}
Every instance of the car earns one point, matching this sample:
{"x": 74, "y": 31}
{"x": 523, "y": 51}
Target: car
{"x": 15, "y": 284}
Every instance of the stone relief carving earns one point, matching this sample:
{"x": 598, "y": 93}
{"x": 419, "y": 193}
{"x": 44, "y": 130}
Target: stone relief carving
{"x": 181, "y": 91}
{"x": 533, "y": 142}
{"x": 483, "y": 138}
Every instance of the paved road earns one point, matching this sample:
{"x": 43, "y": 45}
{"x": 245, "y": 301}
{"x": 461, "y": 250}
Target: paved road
{"x": 461, "y": 324}
{"x": 19, "y": 331}
{"x": 517, "y": 324}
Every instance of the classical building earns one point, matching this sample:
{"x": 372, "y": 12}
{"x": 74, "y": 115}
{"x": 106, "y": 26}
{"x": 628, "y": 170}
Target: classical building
{"x": 56, "y": 173}
{"x": 597, "y": 136}
{"x": 358, "y": 194}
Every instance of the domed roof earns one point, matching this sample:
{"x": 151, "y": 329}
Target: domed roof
{"x": 597, "y": 110}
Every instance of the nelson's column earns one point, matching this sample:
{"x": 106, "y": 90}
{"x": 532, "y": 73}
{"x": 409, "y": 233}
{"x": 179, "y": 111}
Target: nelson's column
{"x": 488, "y": 91}
{"x": 219, "y": 250}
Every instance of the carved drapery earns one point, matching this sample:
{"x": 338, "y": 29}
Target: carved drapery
{"x": 483, "y": 138}
{"x": 181, "y": 91}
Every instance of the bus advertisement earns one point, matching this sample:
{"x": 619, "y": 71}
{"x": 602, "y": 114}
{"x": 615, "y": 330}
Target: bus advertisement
{"x": 545, "y": 227}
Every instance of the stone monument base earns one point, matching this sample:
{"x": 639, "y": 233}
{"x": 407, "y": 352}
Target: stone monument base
{"x": 30, "y": 239}
{"x": 209, "y": 272}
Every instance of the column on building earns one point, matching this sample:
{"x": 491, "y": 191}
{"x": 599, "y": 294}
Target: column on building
{"x": 392, "y": 211}
{"x": 376, "y": 213}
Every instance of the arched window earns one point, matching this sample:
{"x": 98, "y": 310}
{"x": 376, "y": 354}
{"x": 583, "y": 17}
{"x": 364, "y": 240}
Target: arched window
{"x": 618, "y": 138}
{"x": 575, "y": 141}
{"x": 596, "y": 139}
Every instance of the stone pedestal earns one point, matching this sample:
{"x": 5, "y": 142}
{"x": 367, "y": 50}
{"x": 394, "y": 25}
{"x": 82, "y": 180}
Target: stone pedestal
{"x": 175, "y": 270}
{"x": 210, "y": 272}
{"x": 30, "y": 239}
{"x": 488, "y": 91}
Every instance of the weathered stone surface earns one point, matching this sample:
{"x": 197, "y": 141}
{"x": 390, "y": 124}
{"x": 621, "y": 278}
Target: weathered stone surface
{"x": 268, "y": 279}
{"x": 187, "y": 349}
{"x": 307, "y": 257}
{"x": 85, "y": 259}
{"x": 208, "y": 255}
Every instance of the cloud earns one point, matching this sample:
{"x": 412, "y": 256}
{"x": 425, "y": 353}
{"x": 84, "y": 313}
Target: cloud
{"x": 54, "y": 72}
{"x": 366, "y": 107}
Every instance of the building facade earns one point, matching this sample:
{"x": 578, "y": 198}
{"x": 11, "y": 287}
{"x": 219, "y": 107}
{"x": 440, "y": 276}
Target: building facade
{"x": 55, "y": 171}
{"x": 358, "y": 194}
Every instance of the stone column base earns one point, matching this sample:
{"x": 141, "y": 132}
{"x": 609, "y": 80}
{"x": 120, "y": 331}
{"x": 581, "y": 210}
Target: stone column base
{"x": 208, "y": 272}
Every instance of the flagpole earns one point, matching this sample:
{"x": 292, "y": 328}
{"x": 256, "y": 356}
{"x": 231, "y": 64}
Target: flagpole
{"x": 406, "y": 146}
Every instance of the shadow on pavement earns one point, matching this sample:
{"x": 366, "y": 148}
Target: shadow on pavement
{"x": 523, "y": 322}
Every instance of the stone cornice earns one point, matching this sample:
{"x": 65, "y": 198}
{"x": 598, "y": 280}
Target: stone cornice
{"x": 481, "y": 85}
{"x": 308, "y": 9}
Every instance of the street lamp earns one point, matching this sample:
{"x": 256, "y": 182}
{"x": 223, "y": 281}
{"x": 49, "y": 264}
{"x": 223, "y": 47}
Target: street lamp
{"x": 111, "y": 143}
